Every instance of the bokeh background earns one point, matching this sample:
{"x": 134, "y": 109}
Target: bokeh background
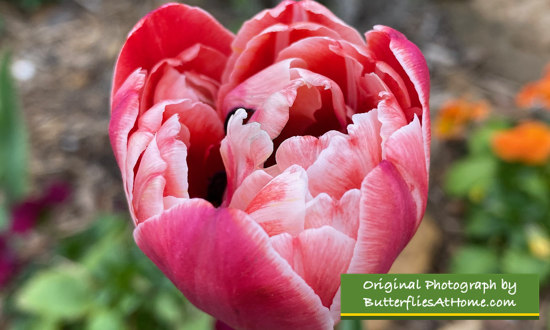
{"x": 67, "y": 259}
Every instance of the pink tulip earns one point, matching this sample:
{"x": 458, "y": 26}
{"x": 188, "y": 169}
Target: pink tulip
{"x": 261, "y": 166}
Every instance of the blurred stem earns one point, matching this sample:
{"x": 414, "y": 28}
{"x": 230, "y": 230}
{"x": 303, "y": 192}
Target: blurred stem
{"x": 352, "y": 325}
{"x": 13, "y": 142}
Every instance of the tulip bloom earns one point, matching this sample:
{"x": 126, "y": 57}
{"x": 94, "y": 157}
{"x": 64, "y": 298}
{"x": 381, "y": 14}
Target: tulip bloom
{"x": 261, "y": 166}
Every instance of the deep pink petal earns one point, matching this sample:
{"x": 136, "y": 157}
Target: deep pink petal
{"x": 387, "y": 220}
{"x": 251, "y": 287}
{"x": 394, "y": 82}
{"x": 394, "y": 48}
{"x": 280, "y": 206}
{"x": 165, "y": 33}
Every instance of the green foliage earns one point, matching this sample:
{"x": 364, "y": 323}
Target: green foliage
{"x": 505, "y": 201}
{"x": 350, "y": 325}
{"x": 13, "y": 142}
{"x": 30, "y": 5}
{"x": 470, "y": 176}
{"x": 63, "y": 292}
{"x": 101, "y": 280}
{"x": 474, "y": 259}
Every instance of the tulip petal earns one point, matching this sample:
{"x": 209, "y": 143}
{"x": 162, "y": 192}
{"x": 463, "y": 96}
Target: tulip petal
{"x": 336, "y": 170}
{"x": 346, "y": 215}
{"x": 289, "y": 101}
{"x": 280, "y": 206}
{"x": 243, "y": 150}
{"x": 405, "y": 149}
{"x": 166, "y": 32}
{"x": 346, "y": 67}
{"x": 250, "y": 287}
{"x": 287, "y": 13}
{"x": 346, "y": 161}
{"x": 200, "y": 64}
{"x": 414, "y": 64}
{"x": 391, "y": 116}
{"x": 262, "y": 49}
{"x": 267, "y": 89}
{"x": 250, "y": 187}
{"x": 174, "y": 85}
{"x": 174, "y": 153}
{"x": 205, "y": 133}
{"x": 319, "y": 256}
{"x": 387, "y": 220}
{"x": 149, "y": 184}
{"x": 342, "y": 215}
{"x": 124, "y": 112}
{"x": 300, "y": 150}
{"x": 411, "y": 61}
{"x": 319, "y": 211}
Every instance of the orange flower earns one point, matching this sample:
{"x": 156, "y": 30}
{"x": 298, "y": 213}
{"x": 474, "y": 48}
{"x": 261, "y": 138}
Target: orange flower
{"x": 535, "y": 94}
{"x": 527, "y": 143}
{"x": 454, "y": 115}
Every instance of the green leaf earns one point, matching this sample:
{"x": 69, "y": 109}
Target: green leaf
{"x": 198, "y": 320}
{"x": 168, "y": 307}
{"x": 105, "y": 320}
{"x": 350, "y": 325}
{"x": 516, "y": 261}
{"x": 60, "y": 293}
{"x": 481, "y": 224}
{"x": 4, "y": 222}
{"x": 479, "y": 142}
{"x": 13, "y": 137}
{"x": 469, "y": 176}
{"x": 474, "y": 259}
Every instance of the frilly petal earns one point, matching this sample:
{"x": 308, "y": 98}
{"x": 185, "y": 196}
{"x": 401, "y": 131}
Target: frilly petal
{"x": 280, "y": 206}
{"x": 319, "y": 256}
{"x": 243, "y": 150}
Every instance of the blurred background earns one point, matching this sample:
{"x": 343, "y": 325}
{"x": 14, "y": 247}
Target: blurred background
{"x": 67, "y": 258}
